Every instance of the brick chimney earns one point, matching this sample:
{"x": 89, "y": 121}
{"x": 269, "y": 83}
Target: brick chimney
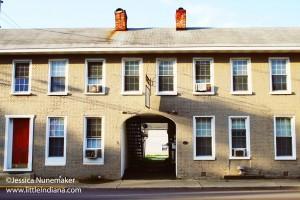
{"x": 121, "y": 20}
{"x": 180, "y": 19}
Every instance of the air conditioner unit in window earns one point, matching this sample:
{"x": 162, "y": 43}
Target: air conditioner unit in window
{"x": 203, "y": 87}
{"x": 93, "y": 154}
{"x": 239, "y": 152}
{"x": 95, "y": 88}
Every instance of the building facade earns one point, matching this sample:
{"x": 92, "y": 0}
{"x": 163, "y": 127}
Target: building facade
{"x": 229, "y": 96}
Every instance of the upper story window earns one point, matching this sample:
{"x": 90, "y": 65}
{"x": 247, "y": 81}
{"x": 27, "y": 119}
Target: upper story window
{"x": 21, "y": 77}
{"x": 285, "y": 143}
{"x": 166, "y": 76}
{"x": 280, "y": 76}
{"x": 204, "y": 137}
{"x": 56, "y": 141}
{"x": 132, "y": 76}
{"x": 239, "y": 137}
{"x": 203, "y": 76}
{"x": 95, "y": 76}
{"x": 93, "y": 140}
{"x": 241, "y": 76}
{"x": 58, "y": 80}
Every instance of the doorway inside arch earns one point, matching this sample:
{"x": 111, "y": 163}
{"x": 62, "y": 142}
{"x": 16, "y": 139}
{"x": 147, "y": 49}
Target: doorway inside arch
{"x": 148, "y": 148}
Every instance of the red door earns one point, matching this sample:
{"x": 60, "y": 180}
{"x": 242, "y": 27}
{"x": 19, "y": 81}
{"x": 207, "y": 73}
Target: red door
{"x": 20, "y": 143}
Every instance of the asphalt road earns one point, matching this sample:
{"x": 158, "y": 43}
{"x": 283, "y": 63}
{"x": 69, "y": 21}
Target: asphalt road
{"x": 172, "y": 194}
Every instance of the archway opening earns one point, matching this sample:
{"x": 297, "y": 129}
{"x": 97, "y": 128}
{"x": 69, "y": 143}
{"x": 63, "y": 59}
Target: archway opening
{"x": 149, "y": 148}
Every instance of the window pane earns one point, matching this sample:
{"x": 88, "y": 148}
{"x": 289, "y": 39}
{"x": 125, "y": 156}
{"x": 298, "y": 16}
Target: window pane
{"x": 56, "y": 147}
{"x": 95, "y": 70}
{"x": 166, "y": 83}
{"x": 238, "y": 133}
{"x": 202, "y": 71}
{"x": 166, "y": 68}
{"x": 94, "y": 127}
{"x": 132, "y": 83}
{"x": 94, "y": 143}
{"x": 279, "y": 74}
{"x": 279, "y": 66}
{"x": 240, "y": 67}
{"x": 56, "y": 127}
{"x": 240, "y": 83}
{"x": 203, "y": 136}
{"x": 203, "y": 146}
{"x": 279, "y": 82}
{"x": 283, "y": 127}
{"x": 58, "y": 84}
{"x": 21, "y": 77}
{"x": 240, "y": 75}
{"x": 58, "y": 68}
{"x": 132, "y": 75}
{"x": 203, "y": 127}
{"x": 284, "y": 146}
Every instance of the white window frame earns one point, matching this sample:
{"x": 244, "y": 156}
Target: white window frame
{"x": 288, "y": 77}
{"x": 87, "y": 60}
{"x": 13, "y": 92}
{"x": 293, "y": 129}
{"x": 213, "y": 142}
{"x": 64, "y": 93}
{"x": 55, "y": 161}
{"x": 8, "y": 143}
{"x": 249, "y": 74}
{"x": 248, "y": 146}
{"x": 212, "y": 74}
{"x": 98, "y": 161}
{"x": 174, "y": 92}
{"x": 141, "y": 79}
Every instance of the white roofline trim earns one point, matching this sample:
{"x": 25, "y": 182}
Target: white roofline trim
{"x": 152, "y": 49}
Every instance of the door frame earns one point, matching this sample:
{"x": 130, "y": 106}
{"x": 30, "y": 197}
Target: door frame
{"x": 8, "y": 143}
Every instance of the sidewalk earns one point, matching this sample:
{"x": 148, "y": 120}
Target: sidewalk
{"x": 199, "y": 184}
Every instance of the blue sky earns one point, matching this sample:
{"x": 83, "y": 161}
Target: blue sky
{"x": 149, "y": 13}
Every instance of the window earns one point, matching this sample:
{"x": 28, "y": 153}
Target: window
{"x": 239, "y": 137}
{"x": 203, "y": 76}
{"x": 204, "y": 137}
{"x": 58, "y": 77}
{"x": 132, "y": 76}
{"x": 95, "y": 76}
{"x": 280, "y": 76}
{"x": 93, "y": 141}
{"x": 241, "y": 76}
{"x": 56, "y": 141}
{"x": 21, "y": 77}
{"x": 285, "y": 144}
{"x": 166, "y": 77}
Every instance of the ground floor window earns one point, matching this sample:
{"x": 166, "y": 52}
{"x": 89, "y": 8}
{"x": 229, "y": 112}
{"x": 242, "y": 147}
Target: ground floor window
{"x": 239, "y": 137}
{"x": 56, "y": 141}
{"x": 285, "y": 146}
{"x": 93, "y": 140}
{"x": 204, "y": 137}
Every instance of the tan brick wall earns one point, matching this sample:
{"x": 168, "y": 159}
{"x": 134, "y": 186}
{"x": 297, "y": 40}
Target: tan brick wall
{"x": 261, "y": 107}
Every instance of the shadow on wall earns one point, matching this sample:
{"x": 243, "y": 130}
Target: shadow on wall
{"x": 261, "y": 136}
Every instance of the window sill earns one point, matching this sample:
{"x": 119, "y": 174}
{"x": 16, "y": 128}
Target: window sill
{"x": 57, "y": 93}
{"x": 204, "y": 93}
{"x": 240, "y": 158}
{"x": 55, "y": 161}
{"x": 17, "y": 170}
{"x": 166, "y": 93}
{"x": 94, "y": 94}
{"x": 285, "y": 158}
{"x": 199, "y": 158}
{"x": 21, "y": 94}
{"x": 249, "y": 93}
{"x": 132, "y": 93}
{"x": 281, "y": 93}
